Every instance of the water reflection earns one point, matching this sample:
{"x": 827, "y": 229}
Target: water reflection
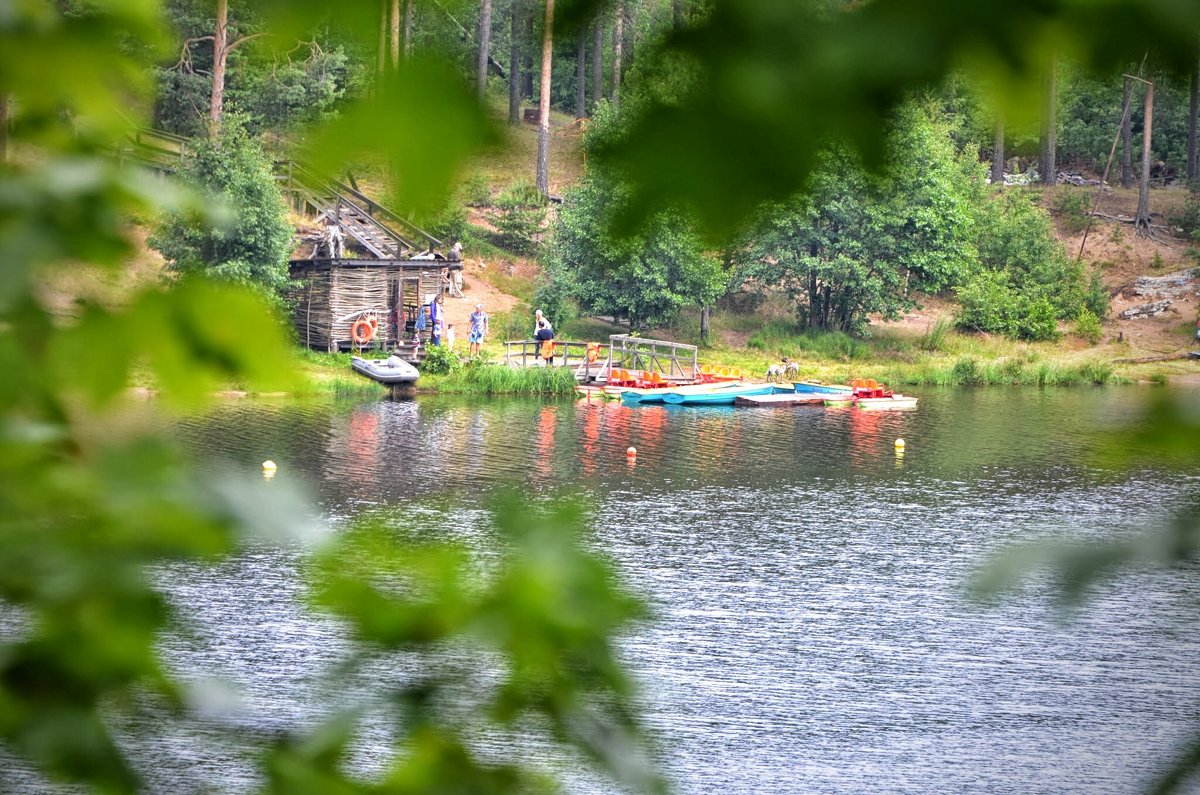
{"x": 810, "y": 631}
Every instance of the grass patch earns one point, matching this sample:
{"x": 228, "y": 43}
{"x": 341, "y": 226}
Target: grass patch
{"x": 968, "y": 371}
{"x": 787, "y": 339}
{"x": 498, "y": 379}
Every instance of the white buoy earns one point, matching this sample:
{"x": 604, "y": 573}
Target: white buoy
{"x": 269, "y": 468}
{"x": 899, "y": 444}
{"x": 631, "y": 453}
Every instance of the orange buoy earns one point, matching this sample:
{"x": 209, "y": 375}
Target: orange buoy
{"x": 631, "y": 452}
{"x": 362, "y": 332}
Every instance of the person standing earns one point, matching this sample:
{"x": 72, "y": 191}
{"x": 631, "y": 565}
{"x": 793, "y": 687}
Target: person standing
{"x": 456, "y": 272}
{"x": 435, "y": 320}
{"x": 478, "y": 330}
{"x": 538, "y": 320}
{"x": 450, "y": 336}
{"x": 545, "y": 336}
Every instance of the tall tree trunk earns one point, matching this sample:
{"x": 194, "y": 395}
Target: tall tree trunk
{"x": 1193, "y": 160}
{"x": 1127, "y": 137}
{"x": 4, "y": 101}
{"x": 381, "y": 64}
{"x": 597, "y": 60}
{"x": 543, "y": 155}
{"x": 514, "y": 66}
{"x": 485, "y": 35}
{"x": 618, "y": 46}
{"x": 581, "y": 74}
{"x": 408, "y": 28}
{"x": 395, "y": 28}
{"x": 998, "y": 153}
{"x": 1047, "y": 164}
{"x": 1142, "y": 222}
{"x": 527, "y": 57}
{"x": 705, "y": 311}
{"x": 220, "y": 52}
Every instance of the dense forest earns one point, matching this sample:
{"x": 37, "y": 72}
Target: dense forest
{"x": 834, "y": 152}
{"x": 861, "y": 233}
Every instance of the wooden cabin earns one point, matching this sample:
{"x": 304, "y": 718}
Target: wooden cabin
{"x": 331, "y": 295}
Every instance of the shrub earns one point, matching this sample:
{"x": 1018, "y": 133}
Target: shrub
{"x": 966, "y": 371}
{"x": 439, "y": 360}
{"x": 935, "y": 337}
{"x": 1072, "y": 207}
{"x": 1087, "y": 327}
{"x": 253, "y": 246}
{"x": 477, "y": 192}
{"x": 520, "y": 218}
{"x": 450, "y": 225}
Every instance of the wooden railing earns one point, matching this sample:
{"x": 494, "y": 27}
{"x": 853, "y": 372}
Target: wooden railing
{"x": 527, "y": 353}
{"x": 676, "y": 361}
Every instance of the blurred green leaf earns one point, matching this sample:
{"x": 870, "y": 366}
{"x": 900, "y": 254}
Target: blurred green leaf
{"x": 782, "y": 80}
{"x": 423, "y": 119}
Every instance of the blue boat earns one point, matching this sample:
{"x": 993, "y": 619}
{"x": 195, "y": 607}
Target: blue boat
{"x": 716, "y": 397}
{"x": 634, "y": 395}
{"x": 817, "y": 388}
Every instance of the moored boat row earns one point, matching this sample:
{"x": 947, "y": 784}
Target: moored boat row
{"x": 860, "y": 394}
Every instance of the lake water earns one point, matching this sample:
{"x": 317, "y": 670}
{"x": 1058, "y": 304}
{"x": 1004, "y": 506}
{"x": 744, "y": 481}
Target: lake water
{"x": 811, "y": 631}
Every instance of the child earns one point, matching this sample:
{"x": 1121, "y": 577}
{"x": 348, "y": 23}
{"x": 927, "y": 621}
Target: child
{"x": 450, "y": 336}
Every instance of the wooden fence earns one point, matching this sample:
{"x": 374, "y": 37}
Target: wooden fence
{"x": 675, "y": 361}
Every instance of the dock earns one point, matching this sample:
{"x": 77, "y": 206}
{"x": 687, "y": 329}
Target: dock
{"x": 781, "y": 399}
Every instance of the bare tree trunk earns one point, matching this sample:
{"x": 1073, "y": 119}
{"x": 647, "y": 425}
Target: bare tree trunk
{"x": 1049, "y": 136}
{"x": 705, "y": 311}
{"x": 395, "y": 28}
{"x": 998, "y": 153}
{"x": 581, "y": 74}
{"x": 408, "y": 28}
{"x": 1142, "y": 222}
{"x": 514, "y": 66}
{"x": 618, "y": 45}
{"x": 1127, "y": 137}
{"x": 1193, "y": 162}
{"x": 597, "y": 60}
{"x": 543, "y": 155}
{"x": 220, "y": 52}
{"x": 485, "y": 34}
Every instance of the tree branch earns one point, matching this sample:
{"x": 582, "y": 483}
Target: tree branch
{"x": 229, "y": 47}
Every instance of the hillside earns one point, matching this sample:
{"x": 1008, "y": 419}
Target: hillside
{"x": 503, "y": 281}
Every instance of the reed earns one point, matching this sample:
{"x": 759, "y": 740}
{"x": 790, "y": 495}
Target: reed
{"x": 968, "y": 371}
{"x": 496, "y": 379}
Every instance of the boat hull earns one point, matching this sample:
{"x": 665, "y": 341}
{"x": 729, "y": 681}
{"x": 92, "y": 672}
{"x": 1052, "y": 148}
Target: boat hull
{"x": 816, "y": 388}
{"x": 716, "y": 397}
{"x": 632, "y": 395}
{"x": 887, "y": 403}
{"x": 392, "y": 371}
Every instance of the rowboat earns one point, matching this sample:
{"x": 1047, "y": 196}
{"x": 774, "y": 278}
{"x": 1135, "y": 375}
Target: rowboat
{"x": 818, "y": 388}
{"x": 839, "y": 402}
{"x": 658, "y": 394}
{"x": 721, "y": 395}
{"x": 891, "y": 402}
{"x": 391, "y": 371}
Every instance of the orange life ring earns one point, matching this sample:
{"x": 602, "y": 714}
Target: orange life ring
{"x": 362, "y": 332}
{"x": 374, "y": 321}
{"x": 593, "y": 352}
